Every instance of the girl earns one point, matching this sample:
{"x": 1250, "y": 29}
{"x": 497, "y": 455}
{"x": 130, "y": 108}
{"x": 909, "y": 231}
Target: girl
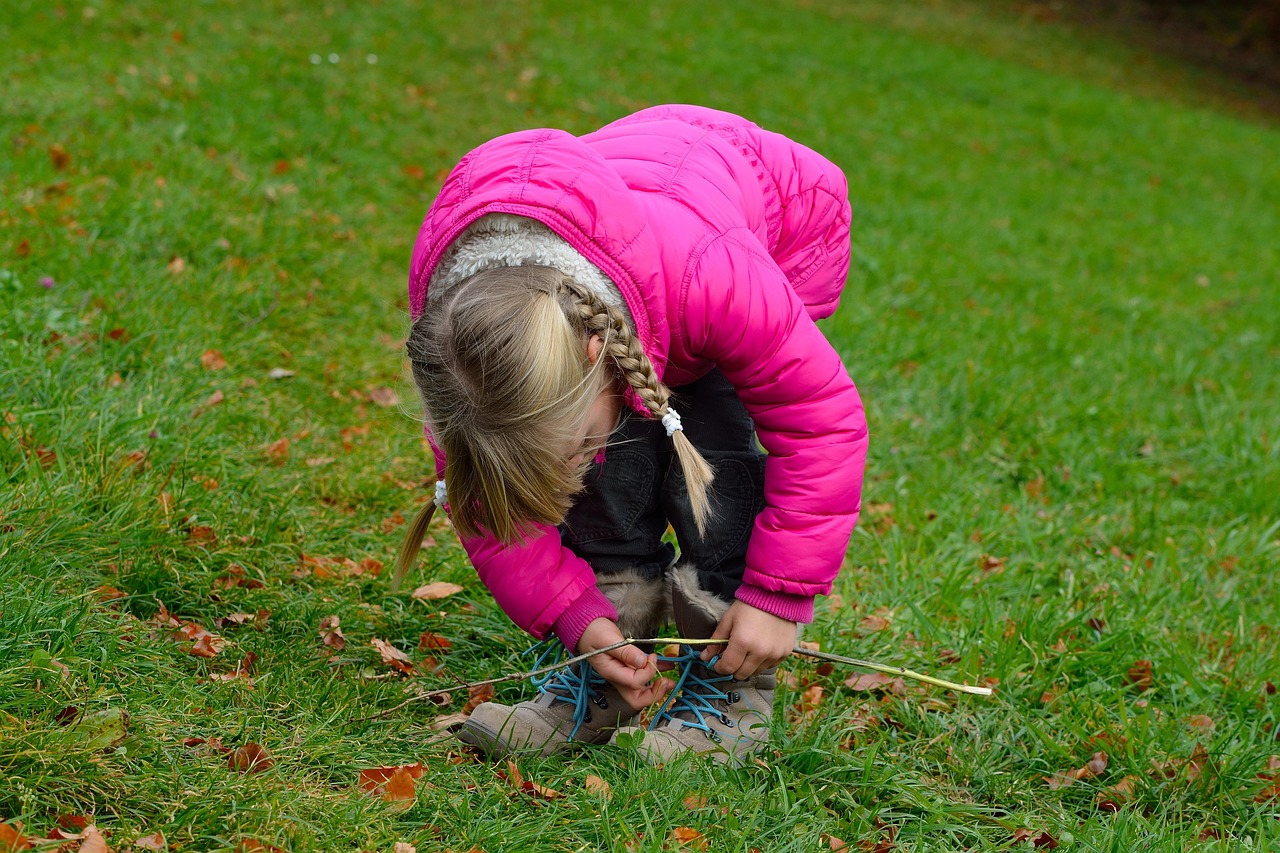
{"x": 607, "y": 329}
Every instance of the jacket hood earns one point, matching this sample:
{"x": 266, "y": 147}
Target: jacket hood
{"x": 555, "y": 178}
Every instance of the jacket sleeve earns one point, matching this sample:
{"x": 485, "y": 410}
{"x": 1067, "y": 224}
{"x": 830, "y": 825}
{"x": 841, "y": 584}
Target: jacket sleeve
{"x": 542, "y": 586}
{"x": 739, "y": 311}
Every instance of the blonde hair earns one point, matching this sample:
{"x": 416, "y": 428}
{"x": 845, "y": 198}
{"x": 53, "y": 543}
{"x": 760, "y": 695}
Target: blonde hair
{"x": 501, "y": 362}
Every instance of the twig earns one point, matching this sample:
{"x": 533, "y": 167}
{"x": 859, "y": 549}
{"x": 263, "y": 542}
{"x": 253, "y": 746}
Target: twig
{"x": 663, "y": 641}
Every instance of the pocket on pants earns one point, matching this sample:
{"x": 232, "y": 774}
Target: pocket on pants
{"x": 612, "y": 505}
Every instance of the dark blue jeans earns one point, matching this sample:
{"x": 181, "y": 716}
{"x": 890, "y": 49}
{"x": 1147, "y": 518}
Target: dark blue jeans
{"x": 618, "y": 522}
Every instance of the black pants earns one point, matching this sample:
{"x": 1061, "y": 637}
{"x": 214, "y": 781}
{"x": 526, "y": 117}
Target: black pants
{"x": 618, "y": 522}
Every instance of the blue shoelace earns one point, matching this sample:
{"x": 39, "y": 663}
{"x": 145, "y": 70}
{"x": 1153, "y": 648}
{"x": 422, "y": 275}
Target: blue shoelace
{"x": 693, "y": 694}
{"x": 573, "y": 684}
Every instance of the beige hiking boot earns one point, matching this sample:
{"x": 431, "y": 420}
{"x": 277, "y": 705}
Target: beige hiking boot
{"x": 574, "y": 706}
{"x": 707, "y": 713}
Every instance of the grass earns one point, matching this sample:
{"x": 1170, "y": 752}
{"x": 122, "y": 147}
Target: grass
{"x": 1061, "y": 317}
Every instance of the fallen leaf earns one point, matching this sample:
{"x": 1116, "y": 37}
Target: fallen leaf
{"x": 877, "y": 682}
{"x": 429, "y": 640}
{"x": 526, "y": 786}
{"x": 1038, "y": 838}
{"x": 99, "y": 730}
{"x": 253, "y": 845}
{"x": 278, "y": 450}
{"x": 331, "y": 634}
{"x": 243, "y": 671}
{"x": 1139, "y": 675}
{"x": 202, "y": 534}
{"x": 59, "y": 157}
{"x": 385, "y": 397}
{"x": 1111, "y": 798}
{"x": 1091, "y": 770}
{"x": 154, "y": 841}
{"x": 1201, "y": 721}
{"x": 596, "y": 785}
{"x": 393, "y": 657}
{"x": 176, "y": 265}
{"x": 92, "y": 841}
{"x": 686, "y": 836}
{"x": 279, "y": 373}
{"x": 476, "y": 696}
{"x": 250, "y": 758}
{"x": 236, "y": 576}
{"x": 438, "y": 589}
{"x": 212, "y": 360}
{"x": 836, "y": 845}
{"x": 393, "y": 784}
{"x": 11, "y": 838}
{"x": 402, "y": 847}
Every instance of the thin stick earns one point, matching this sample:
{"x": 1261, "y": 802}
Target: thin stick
{"x": 662, "y": 641}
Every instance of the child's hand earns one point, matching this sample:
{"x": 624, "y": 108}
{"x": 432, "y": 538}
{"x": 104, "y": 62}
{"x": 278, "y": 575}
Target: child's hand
{"x": 626, "y": 668}
{"x": 756, "y": 641}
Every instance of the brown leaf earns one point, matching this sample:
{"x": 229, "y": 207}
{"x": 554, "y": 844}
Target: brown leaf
{"x": 206, "y": 645}
{"x": 236, "y": 576}
{"x": 250, "y": 758}
{"x": 438, "y": 589}
{"x": 414, "y": 171}
{"x": 685, "y": 836}
{"x": 477, "y": 695}
{"x": 1091, "y": 770}
{"x": 1111, "y": 798}
{"x": 385, "y": 397}
{"x": 331, "y": 634}
{"x": 154, "y": 841}
{"x": 253, "y": 845}
{"x": 212, "y": 746}
{"x": 876, "y": 682}
{"x": 278, "y": 450}
{"x": 1038, "y": 838}
{"x": 526, "y": 786}
{"x": 1201, "y": 721}
{"x": 429, "y": 640}
{"x": 392, "y": 522}
{"x": 92, "y": 841}
{"x": 393, "y": 657}
{"x": 212, "y": 360}
{"x": 59, "y": 157}
{"x": 394, "y": 783}
{"x": 596, "y": 785}
{"x": 836, "y": 844}
{"x": 202, "y": 534}
{"x": 176, "y": 265}
{"x": 1139, "y": 675}
{"x": 11, "y": 838}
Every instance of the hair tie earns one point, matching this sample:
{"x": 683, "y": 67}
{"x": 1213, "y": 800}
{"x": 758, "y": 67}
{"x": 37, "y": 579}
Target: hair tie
{"x": 442, "y": 494}
{"x": 671, "y": 421}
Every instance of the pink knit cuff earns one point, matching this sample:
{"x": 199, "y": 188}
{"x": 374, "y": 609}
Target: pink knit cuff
{"x": 784, "y": 605}
{"x": 588, "y": 607}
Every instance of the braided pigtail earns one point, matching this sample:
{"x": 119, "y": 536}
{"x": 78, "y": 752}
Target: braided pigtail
{"x": 622, "y": 346}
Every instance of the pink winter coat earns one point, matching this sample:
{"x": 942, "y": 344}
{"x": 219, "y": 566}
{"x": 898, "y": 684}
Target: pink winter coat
{"x": 727, "y": 242}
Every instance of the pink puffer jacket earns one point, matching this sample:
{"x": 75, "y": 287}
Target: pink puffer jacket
{"x": 727, "y": 242}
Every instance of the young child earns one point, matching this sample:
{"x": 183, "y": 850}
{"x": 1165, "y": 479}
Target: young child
{"x": 607, "y": 329}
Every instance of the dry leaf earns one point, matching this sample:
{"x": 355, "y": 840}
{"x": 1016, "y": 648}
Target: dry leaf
{"x": 526, "y": 786}
{"x": 402, "y": 847}
{"x": 11, "y": 838}
{"x": 202, "y": 534}
{"x": 59, "y": 157}
{"x": 836, "y": 845}
{"x": 1091, "y": 770}
{"x": 212, "y": 360}
{"x": 393, "y": 657}
{"x": 596, "y": 785}
{"x": 250, "y": 758}
{"x": 477, "y": 695}
{"x": 176, "y": 266}
{"x": 686, "y": 836}
{"x": 279, "y": 373}
{"x": 278, "y": 450}
{"x": 1139, "y": 675}
{"x": 154, "y": 841}
{"x": 384, "y": 397}
{"x": 393, "y": 784}
{"x": 429, "y": 640}
{"x": 877, "y": 682}
{"x": 1111, "y": 798}
{"x": 92, "y": 841}
{"x": 438, "y": 589}
{"x": 1038, "y": 838}
{"x": 331, "y": 634}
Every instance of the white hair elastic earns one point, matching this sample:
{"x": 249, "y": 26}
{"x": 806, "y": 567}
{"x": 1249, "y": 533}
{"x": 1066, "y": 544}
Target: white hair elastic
{"x": 442, "y": 494}
{"x": 671, "y": 421}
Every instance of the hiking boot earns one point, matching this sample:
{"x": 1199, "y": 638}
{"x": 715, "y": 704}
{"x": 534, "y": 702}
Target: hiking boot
{"x": 707, "y": 713}
{"x": 575, "y": 706}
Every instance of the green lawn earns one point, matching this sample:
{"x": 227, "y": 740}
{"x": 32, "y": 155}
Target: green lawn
{"x": 1063, "y": 315}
